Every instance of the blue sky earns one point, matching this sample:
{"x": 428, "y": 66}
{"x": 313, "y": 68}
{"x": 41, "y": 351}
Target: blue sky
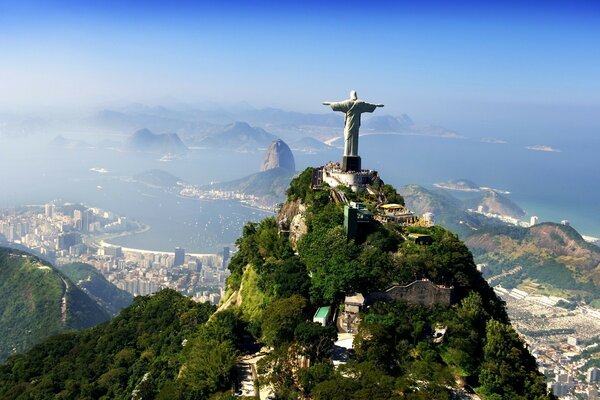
{"x": 440, "y": 61}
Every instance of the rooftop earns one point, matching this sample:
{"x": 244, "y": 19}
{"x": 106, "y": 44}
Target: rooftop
{"x": 322, "y": 312}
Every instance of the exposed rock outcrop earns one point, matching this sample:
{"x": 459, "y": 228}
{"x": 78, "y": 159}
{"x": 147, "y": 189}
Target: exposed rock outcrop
{"x": 292, "y": 218}
{"x": 278, "y": 155}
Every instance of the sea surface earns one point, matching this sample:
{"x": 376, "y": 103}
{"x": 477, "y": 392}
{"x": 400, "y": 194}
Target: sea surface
{"x": 552, "y": 185}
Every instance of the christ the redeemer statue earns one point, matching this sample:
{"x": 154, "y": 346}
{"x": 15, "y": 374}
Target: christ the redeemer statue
{"x": 353, "y": 108}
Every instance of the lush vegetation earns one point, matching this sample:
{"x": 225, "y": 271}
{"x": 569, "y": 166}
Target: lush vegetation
{"x": 550, "y": 254}
{"x": 395, "y": 355}
{"x": 167, "y": 347}
{"x": 31, "y": 298}
{"x": 93, "y": 283}
{"x": 132, "y": 356}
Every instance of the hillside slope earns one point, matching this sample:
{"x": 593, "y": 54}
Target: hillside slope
{"x": 138, "y": 351}
{"x": 496, "y": 203}
{"x": 37, "y": 301}
{"x": 549, "y": 253}
{"x": 448, "y": 211}
{"x": 270, "y": 183}
{"x": 105, "y": 294}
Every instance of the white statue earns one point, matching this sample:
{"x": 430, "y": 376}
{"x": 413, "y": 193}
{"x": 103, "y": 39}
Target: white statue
{"x": 353, "y": 107}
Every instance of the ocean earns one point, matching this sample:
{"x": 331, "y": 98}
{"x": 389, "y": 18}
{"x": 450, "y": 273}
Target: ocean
{"x": 552, "y": 185}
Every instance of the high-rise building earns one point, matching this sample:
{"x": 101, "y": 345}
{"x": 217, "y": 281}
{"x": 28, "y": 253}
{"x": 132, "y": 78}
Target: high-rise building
{"x": 49, "y": 210}
{"x": 86, "y": 219}
{"x": 226, "y": 256}
{"x": 179, "y": 257}
{"x": 77, "y": 219}
{"x": 66, "y": 240}
{"x": 113, "y": 251}
{"x": 533, "y": 220}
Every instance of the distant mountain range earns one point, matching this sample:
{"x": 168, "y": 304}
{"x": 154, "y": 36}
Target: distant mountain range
{"x": 552, "y": 256}
{"x": 196, "y": 119}
{"x": 193, "y": 123}
{"x": 310, "y": 145}
{"x": 144, "y": 140}
{"x": 37, "y": 301}
{"x": 388, "y": 123}
{"x": 236, "y": 136}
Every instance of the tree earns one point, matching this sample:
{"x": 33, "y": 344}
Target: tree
{"x": 333, "y": 263}
{"x": 316, "y": 341}
{"x": 209, "y": 366}
{"x": 280, "y": 319}
{"x": 309, "y": 377}
{"x": 508, "y": 369}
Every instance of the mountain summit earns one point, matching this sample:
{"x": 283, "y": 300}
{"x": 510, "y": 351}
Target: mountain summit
{"x": 145, "y": 141}
{"x": 238, "y": 136}
{"x": 278, "y": 155}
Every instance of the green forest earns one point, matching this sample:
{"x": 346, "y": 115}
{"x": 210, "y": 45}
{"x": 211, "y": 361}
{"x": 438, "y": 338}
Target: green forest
{"x": 167, "y": 347}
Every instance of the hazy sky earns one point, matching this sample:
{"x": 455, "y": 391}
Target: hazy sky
{"x": 436, "y": 59}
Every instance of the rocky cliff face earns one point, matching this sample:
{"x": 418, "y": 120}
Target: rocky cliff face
{"x": 278, "y": 155}
{"x": 292, "y": 216}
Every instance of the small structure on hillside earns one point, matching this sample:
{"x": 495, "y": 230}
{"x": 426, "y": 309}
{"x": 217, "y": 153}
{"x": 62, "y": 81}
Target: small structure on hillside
{"x": 422, "y": 292}
{"x": 334, "y": 176}
{"x": 397, "y": 214}
{"x": 323, "y": 316}
{"x": 421, "y": 239}
{"x": 354, "y": 303}
{"x": 355, "y": 214}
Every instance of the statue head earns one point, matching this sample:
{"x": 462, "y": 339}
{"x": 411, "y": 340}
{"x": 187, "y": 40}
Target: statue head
{"x": 353, "y": 95}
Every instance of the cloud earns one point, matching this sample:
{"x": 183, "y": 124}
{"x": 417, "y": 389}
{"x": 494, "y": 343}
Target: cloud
{"x": 540, "y": 147}
{"x": 493, "y": 140}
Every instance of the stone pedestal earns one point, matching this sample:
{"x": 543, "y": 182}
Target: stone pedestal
{"x": 351, "y": 163}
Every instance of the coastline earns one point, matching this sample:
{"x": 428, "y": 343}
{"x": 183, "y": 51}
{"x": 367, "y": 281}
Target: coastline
{"x": 146, "y": 251}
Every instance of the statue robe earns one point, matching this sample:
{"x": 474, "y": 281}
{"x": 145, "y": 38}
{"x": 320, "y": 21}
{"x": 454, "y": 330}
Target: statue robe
{"x": 353, "y": 109}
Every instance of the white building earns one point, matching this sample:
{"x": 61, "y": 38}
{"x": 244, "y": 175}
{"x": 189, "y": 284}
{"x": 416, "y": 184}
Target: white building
{"x": 533, "y": 220}
{"x": 572, "y": 341}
